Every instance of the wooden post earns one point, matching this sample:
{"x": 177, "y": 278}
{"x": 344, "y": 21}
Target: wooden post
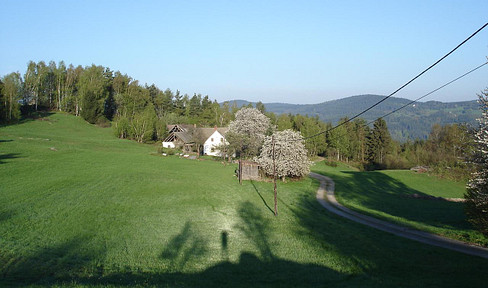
{"x": 274, "y": 179}
{"x": 240, "y": 171}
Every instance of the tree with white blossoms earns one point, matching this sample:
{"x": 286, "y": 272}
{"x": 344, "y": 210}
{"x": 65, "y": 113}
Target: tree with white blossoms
{"x": 290, "y": 155}
{"x": 246, "y": 133}
{"x": 477, "y": 188}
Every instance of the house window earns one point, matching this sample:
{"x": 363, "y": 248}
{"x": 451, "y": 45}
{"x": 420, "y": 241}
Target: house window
{"x": 211, "y": 139}
{"x": 221, "y": 140}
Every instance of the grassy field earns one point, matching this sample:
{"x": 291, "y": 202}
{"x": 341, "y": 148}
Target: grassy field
{"x": 388, "y": 195}
{"x": 81, "y": 208}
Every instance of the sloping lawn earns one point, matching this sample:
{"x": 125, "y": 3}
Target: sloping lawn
{"x": 79, "y": 207}
{"x": 389, "y": 195}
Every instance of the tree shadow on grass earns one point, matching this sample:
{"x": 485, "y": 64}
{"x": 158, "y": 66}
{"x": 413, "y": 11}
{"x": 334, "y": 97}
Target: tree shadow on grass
{"x": 187, "y": 246}
{"x": 256, "y": 229}
{"x": 381, "y": 259}
{"x": 71, "y": 259}
{"x": 59, "y": 265}
{"x": 6, "y": 215}
{"x": 380, "y": 192}
{"x": 28, "y": 117}
{"x": 8, "y": 156}
{"x": 261, "y": 196}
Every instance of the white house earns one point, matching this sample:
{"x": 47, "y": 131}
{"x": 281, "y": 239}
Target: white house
{"x": 180, "y": 136}
{"x": 216, "y": 139}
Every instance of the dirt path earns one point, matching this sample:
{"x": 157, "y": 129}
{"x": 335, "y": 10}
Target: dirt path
{"x": 326, "y": 197}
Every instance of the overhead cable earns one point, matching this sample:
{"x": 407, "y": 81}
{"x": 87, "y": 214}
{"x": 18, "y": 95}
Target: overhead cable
{"x": 431, "y": 92}
{"x": 403, "y": 86}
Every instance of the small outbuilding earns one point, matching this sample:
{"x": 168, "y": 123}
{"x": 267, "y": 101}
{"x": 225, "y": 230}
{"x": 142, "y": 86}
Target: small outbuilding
{"x": 248, "y": 170}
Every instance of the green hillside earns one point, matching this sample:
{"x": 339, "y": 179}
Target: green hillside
{"x": 412, "y": 122}
{"x": 81, "y": 208}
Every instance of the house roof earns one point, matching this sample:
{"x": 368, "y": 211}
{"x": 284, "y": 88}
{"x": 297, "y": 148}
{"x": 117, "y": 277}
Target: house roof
{"x": 178, "y": 127}
{"x": 183, "y": 132}
{"x": 207, "y": 132}
{"x": 184, "y": 136}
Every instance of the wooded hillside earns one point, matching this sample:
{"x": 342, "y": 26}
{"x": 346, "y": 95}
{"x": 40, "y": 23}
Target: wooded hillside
{"x": 412, "y": 122}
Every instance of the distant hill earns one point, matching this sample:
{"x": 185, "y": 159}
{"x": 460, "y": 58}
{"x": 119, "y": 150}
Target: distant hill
{"x": 412, "y": 122}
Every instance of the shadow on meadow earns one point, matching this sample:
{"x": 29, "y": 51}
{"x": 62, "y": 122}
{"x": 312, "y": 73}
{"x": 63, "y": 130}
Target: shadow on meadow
{"x": 43, "y": 266}
{"x": 6, "y": 215}
{"x": 261, "y": 196}
{"x": 380, "y": 192}
{"x": 62, "y": 265}
{"x": 29, "y": 116}
{"x": 8, "y": 156}
{"x": 185, "y": 247}
{"x": 378, "y": 259}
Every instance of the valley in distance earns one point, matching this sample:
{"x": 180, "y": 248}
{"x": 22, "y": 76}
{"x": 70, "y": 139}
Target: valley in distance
{"x": 410, "y": 123}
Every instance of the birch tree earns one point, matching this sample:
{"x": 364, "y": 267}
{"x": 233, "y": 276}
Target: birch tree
{"x": 60, "y": 77}
{"x": 12, "y": 93}
{"x": 143, "y": 124}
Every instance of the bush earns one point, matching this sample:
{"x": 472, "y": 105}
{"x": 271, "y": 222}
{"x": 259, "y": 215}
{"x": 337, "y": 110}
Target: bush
{"x": 103, "y": 122}
{"x": 167, "y": 151}
{"x": 330, "y": 163}
{"x": 396, "y": 162}
{"x": 121, "y": 127}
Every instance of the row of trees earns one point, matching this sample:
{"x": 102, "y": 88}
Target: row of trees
{"x": 100, "y": 96}
{"x": 141, "y": 112}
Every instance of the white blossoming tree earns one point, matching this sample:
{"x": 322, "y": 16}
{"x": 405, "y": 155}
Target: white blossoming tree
{"x": 477, "y": 188}
{"x": 247, "y": 131}
{"x": 289, "y": 152}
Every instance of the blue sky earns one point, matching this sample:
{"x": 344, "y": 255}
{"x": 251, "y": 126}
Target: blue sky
{"x": 300, "y": 52}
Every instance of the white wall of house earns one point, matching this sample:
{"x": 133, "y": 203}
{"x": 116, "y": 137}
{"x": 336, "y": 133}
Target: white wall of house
{"x": 168, "y": 145}
{"x": 209, "y": 147}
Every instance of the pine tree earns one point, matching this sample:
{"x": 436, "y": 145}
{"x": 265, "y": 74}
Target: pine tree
{"x": 378, "y": 142}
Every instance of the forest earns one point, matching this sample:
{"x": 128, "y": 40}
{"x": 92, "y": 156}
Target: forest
{"x": 413, "y": 121}
{"x": 141, "y": 113}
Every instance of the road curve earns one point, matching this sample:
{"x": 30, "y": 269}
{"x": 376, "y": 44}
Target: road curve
{"x": 326, "y": 197}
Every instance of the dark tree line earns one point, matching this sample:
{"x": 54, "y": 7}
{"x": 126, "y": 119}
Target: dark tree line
{"x": 101, "y": 96}
{"x": 371, "y": 147}
{"x": 141, "y": 112}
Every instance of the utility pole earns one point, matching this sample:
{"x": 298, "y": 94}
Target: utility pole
{"x": 274, "y": 178}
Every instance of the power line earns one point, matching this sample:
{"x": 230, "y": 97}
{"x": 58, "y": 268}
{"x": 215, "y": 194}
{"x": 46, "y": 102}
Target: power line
{"x": 403, "y": 86}
{"x": 433, "y": 91}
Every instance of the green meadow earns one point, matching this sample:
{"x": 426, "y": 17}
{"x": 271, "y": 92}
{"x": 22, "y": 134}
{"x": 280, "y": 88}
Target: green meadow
{"x": 80, "y": 208}
{"x": 404, "y": 197}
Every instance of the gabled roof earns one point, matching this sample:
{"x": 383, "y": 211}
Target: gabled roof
{"x": 207, "y": 132}
{"x": 177, "y": 128}
{"x": 183, "y": 132}
{"x": 184, "y": 136}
